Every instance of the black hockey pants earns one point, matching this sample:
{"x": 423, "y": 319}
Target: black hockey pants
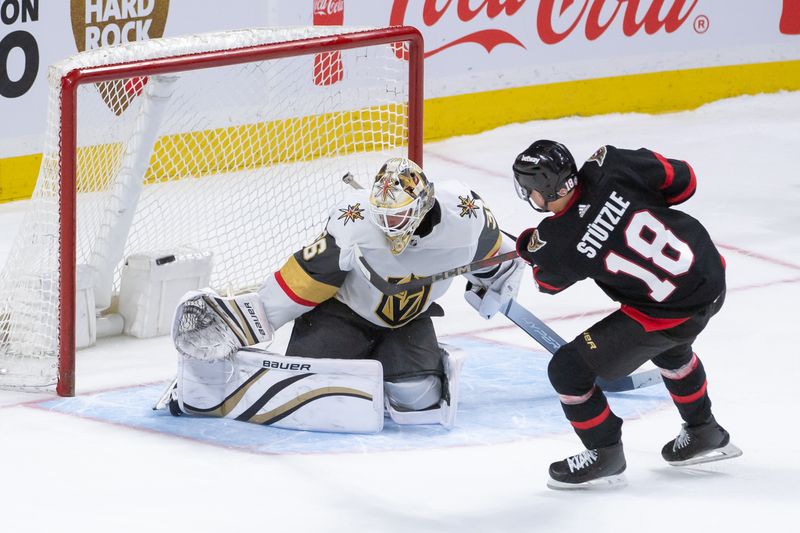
{"x": 615, "y": 347}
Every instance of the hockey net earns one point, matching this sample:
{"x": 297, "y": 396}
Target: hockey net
{"x": 232, "y": 143}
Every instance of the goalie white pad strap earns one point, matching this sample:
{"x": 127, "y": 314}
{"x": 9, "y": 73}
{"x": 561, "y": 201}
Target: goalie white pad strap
{"x": 336, "y": 395}
{"x": 445, "y": 413}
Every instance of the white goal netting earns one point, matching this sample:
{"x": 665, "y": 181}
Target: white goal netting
{"x": 241, "y": 161}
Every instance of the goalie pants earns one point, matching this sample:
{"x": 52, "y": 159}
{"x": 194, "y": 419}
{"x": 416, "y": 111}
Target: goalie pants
{"x": 334, "y": 330}
{"x": 615, "y": 347}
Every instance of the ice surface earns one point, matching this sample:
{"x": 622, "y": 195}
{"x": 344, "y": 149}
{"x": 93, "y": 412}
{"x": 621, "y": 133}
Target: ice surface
{"x": 64, "y": 466}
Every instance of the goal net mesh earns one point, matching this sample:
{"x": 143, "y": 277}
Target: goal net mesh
{"x": 241, "y": 161}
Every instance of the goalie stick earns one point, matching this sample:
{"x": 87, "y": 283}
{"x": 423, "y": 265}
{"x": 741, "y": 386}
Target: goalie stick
{"x": 390, "y": 289}
{"x": 551, "y": 341}
{"x": 520, "y": 316}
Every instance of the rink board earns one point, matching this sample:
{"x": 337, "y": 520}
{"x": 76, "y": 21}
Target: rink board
{"x": 505, "y": 397}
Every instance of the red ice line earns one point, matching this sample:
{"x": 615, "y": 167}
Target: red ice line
{"x": 757, "y": 255}
{"x": 572, "y": 316}
{"x": 734, "y": 249}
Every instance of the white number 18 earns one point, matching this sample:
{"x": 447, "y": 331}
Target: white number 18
{"x": 678, "y": 262}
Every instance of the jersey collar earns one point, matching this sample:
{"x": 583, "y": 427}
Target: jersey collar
{"x": 572, "y": 201}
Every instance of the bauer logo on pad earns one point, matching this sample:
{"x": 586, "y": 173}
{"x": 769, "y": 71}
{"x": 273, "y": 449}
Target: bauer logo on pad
{"x": 103, "y": 23}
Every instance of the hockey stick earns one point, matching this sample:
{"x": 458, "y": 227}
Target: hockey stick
{"x": 551, "y": 341}
{"x": 519, "y": 315}
{"x": 390, "y": 289}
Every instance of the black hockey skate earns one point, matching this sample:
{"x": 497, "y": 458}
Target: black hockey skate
{"x": 590, "y": 469}
{"x": 700, "y": 444}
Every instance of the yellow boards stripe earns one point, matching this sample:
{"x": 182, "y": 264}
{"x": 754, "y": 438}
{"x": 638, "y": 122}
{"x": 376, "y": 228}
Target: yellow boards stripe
{"x": 213, "y": 151}
{"x": 18, "y": 176}
{"x": 281, "y": 141}
{"x": 656, "y": 92}
{"x": 234, "y": 148}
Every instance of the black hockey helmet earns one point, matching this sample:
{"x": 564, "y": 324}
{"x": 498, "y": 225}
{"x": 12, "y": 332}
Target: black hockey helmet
{"x": 546, "y": 167}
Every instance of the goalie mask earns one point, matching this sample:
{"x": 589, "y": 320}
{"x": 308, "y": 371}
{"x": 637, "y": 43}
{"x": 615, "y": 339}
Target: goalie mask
{"x": 400, "y": 197}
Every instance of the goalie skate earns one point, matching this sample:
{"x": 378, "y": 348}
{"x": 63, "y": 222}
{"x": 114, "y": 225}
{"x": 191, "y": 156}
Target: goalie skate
{"x": 700, "y": 444}
{"x": 169, "y": 399}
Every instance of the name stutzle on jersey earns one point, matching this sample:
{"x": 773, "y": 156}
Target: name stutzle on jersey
{"x": 604, "y": 223}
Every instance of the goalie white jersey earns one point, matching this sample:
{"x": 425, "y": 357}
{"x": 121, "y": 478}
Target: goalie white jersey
{"x": 459, "y": 229}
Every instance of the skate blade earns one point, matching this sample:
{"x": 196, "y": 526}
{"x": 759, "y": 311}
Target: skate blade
{"x": 163, "y": 400}
{"x": 604, "y": 483}
{"x": 720, "y": 454}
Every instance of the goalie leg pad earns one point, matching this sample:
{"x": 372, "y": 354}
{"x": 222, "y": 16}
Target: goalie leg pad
{"x": 414, "y": 394}
{"x": 334, "y": 395}
{"x": 445, "y": 412}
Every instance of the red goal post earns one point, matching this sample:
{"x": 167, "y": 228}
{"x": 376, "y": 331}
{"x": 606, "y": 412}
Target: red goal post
{"x": 313, "y": 132}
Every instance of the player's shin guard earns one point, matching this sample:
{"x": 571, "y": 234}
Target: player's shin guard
{"x": 584, "y": 404}
{"x": 687, "y": 386}
{"x": 592, "y": 419}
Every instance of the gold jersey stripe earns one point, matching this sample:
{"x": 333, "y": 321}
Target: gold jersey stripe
{"x": 302, "y": 285}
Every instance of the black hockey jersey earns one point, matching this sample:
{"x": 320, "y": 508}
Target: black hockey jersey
{"x": 620, "y": 231}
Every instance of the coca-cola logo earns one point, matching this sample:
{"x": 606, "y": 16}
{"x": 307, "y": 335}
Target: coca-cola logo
{"x": 556, "y": 20}
{"x": 790, "y": 17}
{"x": 633, "y": 20}
{"x": 328, "y": 7}
{"x": 491, "y": 9}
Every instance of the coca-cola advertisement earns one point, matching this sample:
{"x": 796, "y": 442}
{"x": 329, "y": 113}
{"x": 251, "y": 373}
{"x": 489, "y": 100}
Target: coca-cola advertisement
{"x": 493, "y": 44}
{"x": 328, "y": 67}
{"x": 471, "y": 46}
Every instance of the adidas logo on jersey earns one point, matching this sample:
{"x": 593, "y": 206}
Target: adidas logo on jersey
{"x": 582, "y": 208}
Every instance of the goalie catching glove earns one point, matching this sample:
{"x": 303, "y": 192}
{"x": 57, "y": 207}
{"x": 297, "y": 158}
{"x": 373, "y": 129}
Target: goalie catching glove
{"x": 210, "y": 327}
{"x": 488, "y": 292}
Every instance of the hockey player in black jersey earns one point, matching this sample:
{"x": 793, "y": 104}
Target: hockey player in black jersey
{"x": 613, "y": 222}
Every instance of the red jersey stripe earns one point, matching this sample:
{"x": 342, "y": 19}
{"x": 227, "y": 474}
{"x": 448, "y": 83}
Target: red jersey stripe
{"x": 651, "y": 323}
{"x": 542, "y": 283}
{"x": 290, "y": 293}
{"x": 689, "y": 189}
{"x": 668, "y": 170}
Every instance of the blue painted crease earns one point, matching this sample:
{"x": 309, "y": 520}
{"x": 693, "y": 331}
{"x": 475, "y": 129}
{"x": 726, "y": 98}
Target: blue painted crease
{"x": 505, "y": 397}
